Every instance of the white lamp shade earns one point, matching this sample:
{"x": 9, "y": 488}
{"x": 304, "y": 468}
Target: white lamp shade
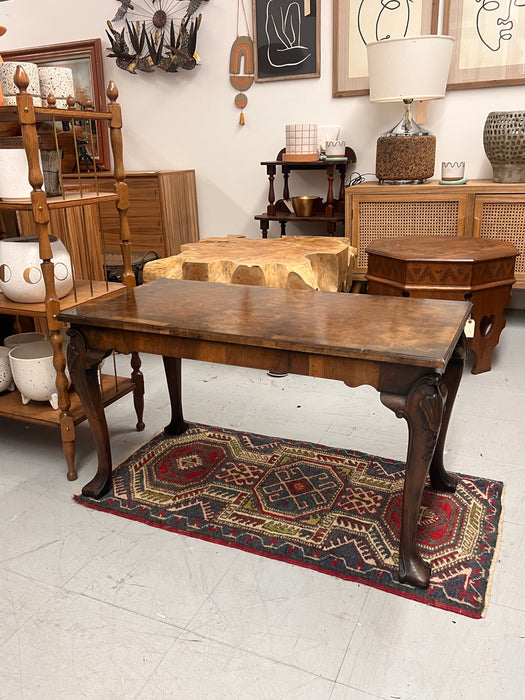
{"x": 413, "y": 67}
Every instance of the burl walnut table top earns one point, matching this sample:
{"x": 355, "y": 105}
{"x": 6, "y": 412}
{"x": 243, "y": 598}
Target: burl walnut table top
{"x": 417, "y": 332}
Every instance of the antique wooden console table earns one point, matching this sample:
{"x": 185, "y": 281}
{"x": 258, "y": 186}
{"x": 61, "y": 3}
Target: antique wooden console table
{"x": 410, "y": 350}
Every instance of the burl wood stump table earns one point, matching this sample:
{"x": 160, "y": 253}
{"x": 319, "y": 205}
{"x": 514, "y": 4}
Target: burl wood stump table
{"x": 443, "y": 267}
{"x": 293, "y": 262}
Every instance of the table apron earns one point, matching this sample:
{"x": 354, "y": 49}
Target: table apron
{"x": 384, "y": 376}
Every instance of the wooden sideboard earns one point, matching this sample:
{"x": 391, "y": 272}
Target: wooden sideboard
{"x": 480, "y": 208}
{"x": 162, "y": 211}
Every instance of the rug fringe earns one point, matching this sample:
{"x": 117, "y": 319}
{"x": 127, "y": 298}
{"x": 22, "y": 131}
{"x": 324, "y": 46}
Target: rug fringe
{"x": 495, "y": 557}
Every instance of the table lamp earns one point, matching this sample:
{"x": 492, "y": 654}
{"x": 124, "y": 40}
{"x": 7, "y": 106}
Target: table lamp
{"x": 407, "y": 70}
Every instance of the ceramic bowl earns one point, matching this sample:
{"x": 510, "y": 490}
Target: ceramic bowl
{"x": 6, "y": 376}
{"x": 33, "y": 372}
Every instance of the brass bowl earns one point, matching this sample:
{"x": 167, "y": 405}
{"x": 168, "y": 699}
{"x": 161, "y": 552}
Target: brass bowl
{"x": 303, "y": 206}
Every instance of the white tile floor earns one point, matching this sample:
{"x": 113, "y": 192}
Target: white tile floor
{"x": 94, "y": 606}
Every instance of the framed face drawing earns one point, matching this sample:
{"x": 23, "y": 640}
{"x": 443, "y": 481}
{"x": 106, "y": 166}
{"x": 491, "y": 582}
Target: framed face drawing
{"x": 489, "y": 42}
{"x": 359, "y": 22}
{"x": 286, "y": 39}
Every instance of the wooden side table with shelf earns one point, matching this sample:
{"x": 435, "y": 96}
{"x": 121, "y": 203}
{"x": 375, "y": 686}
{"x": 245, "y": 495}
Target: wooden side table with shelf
{"x": 479, "y": 209}
{"x": 84, "y": 247}
{"x": 330, "y": 212}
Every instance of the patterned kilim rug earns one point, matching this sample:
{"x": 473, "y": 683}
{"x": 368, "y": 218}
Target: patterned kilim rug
{"x": 332, "y": 510}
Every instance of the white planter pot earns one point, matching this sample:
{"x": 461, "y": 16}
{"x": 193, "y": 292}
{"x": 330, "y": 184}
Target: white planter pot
{"x": 6, "y": 376}
{"x": 20, "y": 272}
{"x": 34, "y": 373}
{"x": 19, "y": 338}
{"x": 14, "y": 182}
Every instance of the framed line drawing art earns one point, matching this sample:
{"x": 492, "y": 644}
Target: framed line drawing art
{"x": 359, "y": 22}
{"x": 85, "y": 60}
{"x": 286, "y": 39}
{"x": 488, "y": 50}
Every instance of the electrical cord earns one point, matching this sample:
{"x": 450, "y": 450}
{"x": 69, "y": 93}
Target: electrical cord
{"x": 350, "y": 180}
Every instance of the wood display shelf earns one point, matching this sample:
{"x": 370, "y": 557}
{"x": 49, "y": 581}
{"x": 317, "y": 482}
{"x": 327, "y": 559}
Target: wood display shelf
{"x": 73, "y": 217}
{"x": 11, "y": 406}
{"x": 82, "y": 291}
{"x": 330, "y": 212}
{"x": 70, "y": 199}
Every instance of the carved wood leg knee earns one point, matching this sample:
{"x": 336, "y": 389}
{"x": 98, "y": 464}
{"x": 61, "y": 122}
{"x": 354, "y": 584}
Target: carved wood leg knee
{"x": 83, "y": 366}
{"x": 440, "y": 479}
{"x": 172, "y": 367}
{"x": 422, "y": 408}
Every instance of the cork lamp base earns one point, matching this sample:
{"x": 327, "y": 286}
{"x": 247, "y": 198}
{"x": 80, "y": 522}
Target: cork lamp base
{"x": 405, "y": 159}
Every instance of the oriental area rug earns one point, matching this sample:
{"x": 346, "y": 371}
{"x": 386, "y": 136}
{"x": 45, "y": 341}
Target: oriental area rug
{"x": 332, "y": 510}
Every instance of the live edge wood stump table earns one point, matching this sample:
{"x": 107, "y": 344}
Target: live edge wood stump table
{"x": 480, "y": 270}
{"x": 411, "y": 350}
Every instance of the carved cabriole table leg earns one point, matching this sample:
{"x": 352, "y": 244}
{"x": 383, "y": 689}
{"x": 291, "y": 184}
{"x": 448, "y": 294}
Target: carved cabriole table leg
{"x": 426, "y": 407}
{"x": 422, "y": 408}
{"x": 440, "y": 479}
{"x": 83, "y": 366}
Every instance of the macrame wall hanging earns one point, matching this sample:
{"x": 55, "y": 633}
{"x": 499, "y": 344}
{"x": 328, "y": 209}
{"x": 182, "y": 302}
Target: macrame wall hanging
{"x": 149, "y": 34}
{"x": 241, "y": 54}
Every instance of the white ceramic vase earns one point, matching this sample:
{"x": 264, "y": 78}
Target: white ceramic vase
{"x": 33, "y": 372}
{"x": 20, "y": 272}
{"x": 9, "y": 88}
{"x": 6, "y": 376}
{"x": 58, "y": 82}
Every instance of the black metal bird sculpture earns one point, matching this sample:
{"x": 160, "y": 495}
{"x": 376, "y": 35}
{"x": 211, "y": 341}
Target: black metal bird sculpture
{"x": 120, "y": 50}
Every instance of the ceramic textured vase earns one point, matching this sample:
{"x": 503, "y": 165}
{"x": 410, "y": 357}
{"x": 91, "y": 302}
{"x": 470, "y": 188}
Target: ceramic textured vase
{"x": 58, "y": 82}
{"x": 504, "y": 144}
{"x": 34, "y": 373}
{"x": 9, "y": 88}
{"x": 6, "y": 376}
{"x": 20, "y": 272}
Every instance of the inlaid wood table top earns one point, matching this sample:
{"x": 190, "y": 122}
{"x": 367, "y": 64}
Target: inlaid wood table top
{"x": 442, "y": 248}
{"x": 423, "y": 332}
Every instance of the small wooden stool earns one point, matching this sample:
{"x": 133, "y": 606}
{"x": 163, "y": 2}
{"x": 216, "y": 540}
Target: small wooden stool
{"x": 480, "y": 270}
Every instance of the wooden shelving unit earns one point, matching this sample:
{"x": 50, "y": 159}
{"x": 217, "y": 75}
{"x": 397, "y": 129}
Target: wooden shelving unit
{"x": 41, "y": 214}
{"x": 329, "y": 212}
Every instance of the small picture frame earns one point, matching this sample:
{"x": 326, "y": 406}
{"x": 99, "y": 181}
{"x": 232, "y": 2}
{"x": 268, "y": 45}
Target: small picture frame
{"x": 286, "y": 39}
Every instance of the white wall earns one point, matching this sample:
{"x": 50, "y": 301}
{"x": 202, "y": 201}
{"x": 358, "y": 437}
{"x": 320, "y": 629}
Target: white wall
{"x": 188, "y": 119}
